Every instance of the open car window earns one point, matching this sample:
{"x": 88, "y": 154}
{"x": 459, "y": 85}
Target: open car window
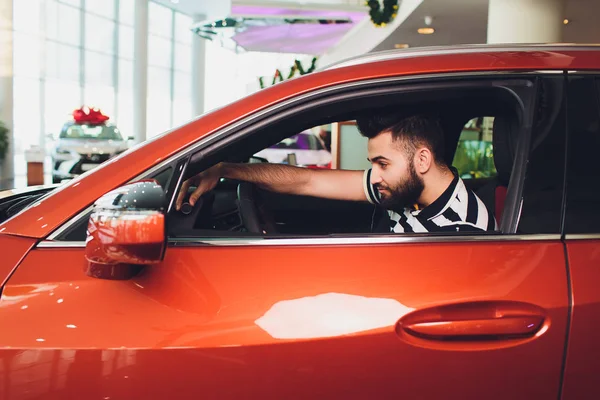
{"x": 468, "y": 125}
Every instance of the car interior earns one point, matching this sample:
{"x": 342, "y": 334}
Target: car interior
{"x": 240, "y": 208}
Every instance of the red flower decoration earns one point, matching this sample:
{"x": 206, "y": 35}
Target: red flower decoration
{"x": 89, "y": 116}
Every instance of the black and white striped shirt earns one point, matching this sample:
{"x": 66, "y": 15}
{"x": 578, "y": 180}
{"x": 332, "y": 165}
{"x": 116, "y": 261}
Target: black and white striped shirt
{"x": 458, "y": 209}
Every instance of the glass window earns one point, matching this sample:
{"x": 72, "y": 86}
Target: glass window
{"x": 544, "y": 180}
{"x": 183, "y": 32}
{"x": 124, "y": 113}
{"x": 76, "y": 3}
{"x": 182, "y": 93}
{"x": 126, "y": 75}
{"x": 159, "y": 115}
{"x": 583, "y": 197}
{"x": 99, "y": 34}
{"x": 159, "y": 51}
{"x": 62, "y": 62}
{"x": 26, "y": 112}
{"x": 127, "y": 12}
{"x": 126, "y": 42}
{"x": 104, "y": 8}
{"x": 100, "y": 132}
{"x": 183, "y": 86}
{"x": 159, "y": 80}
{"x": 63, "y": 23}
{"x": 102, "y": 97}
{"x": 60, "y": 99}
{"x": 474, "y": 154}
{"x": 160, "y": 20}
{"x": 159, "y": 101}
{"x": 302, "y": 141}
{"x": 230, "y": 76}
{"x": 27, "y": 16}
{"x": 26, "y": 55}
{"x": 98, "y": 69}
{"x": 182, "y": 111}
{"x": 183, "y": 57}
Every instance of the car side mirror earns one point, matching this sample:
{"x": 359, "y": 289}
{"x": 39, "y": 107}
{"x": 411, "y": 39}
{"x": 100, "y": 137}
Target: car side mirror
{"x": 126, "y": 231}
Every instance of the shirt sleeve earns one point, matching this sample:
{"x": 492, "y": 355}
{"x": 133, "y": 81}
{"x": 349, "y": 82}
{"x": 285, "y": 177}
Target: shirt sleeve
{"x": 370, "y": 191}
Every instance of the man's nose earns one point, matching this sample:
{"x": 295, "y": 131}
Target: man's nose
{"x": 375, "y": 177}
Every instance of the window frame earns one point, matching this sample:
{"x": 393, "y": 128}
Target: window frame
{"x": 200, "y": 151}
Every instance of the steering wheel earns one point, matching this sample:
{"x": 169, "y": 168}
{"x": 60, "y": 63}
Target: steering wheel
{"x": 253, "y": 213}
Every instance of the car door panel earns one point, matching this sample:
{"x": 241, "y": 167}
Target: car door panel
{"x": 582, "y": 357}
{"x": 282, "y": 321}
{"x": 582, "y": 237}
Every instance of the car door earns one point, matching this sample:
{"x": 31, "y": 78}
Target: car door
{"x": 363, "y": 316}
{"x": 582, "y": 234}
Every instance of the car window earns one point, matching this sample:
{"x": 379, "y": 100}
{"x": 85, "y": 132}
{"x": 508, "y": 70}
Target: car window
{"x": 544, "y": 180}
{"x": 583, "y": 197}
{"x": 83, "y": 131}
{"x": 305, "y": 149}
{"x": 474, "y": 154}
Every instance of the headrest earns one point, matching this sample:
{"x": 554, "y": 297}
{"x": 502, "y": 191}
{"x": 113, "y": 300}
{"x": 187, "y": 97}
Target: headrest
{"x": 504, "y": 139}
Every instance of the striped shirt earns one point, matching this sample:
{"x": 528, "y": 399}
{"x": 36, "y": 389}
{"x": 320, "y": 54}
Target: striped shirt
{"x": 458, "y": 209}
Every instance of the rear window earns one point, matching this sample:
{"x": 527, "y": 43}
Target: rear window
{"x": 474, "y": 157}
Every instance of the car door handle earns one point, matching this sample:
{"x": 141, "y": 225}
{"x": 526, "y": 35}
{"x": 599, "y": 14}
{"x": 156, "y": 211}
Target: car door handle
{"x": 485, "y": 320}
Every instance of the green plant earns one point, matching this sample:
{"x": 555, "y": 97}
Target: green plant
{"x": 3, "y": 140}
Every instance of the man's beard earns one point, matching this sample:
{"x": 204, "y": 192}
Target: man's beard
{"x": 405, "y": 193}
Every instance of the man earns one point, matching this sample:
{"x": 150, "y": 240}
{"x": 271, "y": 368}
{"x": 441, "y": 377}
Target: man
{"x": 408, "y": 177}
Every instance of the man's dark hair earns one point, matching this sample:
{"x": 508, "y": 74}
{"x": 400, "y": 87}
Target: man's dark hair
{"x": 409, "y": 132}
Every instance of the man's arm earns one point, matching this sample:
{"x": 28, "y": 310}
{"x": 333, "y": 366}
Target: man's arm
{"x": 329, "y": 184}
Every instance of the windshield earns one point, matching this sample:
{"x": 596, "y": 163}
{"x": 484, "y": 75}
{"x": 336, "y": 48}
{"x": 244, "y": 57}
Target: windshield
{"x": 100, "y": 132}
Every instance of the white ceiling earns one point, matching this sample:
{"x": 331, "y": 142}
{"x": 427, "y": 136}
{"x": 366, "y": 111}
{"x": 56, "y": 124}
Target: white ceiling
{"x": 213, "y": 7}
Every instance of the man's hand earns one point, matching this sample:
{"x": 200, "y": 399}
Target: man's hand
{"x": 205, "y": 182}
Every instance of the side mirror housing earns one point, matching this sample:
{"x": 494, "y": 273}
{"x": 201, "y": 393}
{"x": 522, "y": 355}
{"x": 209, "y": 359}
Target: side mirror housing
{"x": 126, "y": 230}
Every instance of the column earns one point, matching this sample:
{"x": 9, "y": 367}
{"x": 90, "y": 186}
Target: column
{"x": 140, "y": 70}
{"x": 198, "y": 70}
{"x": 6, "y": 90}
{"x": 525, "y": 21}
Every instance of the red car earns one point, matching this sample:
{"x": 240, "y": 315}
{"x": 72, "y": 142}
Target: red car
{"x": 108, "y": 292}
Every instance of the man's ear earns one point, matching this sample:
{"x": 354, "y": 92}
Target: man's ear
{"x": 423, "y": 160}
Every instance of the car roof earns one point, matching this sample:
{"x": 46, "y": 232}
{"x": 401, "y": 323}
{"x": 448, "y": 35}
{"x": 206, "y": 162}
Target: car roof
{"x": 397, "y": 54}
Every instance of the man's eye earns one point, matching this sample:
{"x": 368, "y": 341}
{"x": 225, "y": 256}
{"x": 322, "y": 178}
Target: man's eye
{"x": 382, "y": 165}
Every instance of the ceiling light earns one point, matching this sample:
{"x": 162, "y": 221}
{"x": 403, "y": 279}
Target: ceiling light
{"x": 401, "y": 46}
{"x": 426, "y": 31}
{"x": 175, "y": 1}
{"x": 566, "y": 21}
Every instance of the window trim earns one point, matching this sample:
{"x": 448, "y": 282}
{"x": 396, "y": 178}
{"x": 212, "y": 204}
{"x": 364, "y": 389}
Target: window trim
{"x": 253, "y": 122}
{"x": 331, "y": 241}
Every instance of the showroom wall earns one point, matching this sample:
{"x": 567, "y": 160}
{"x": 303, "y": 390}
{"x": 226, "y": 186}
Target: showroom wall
{"x": 69, "y": 53}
